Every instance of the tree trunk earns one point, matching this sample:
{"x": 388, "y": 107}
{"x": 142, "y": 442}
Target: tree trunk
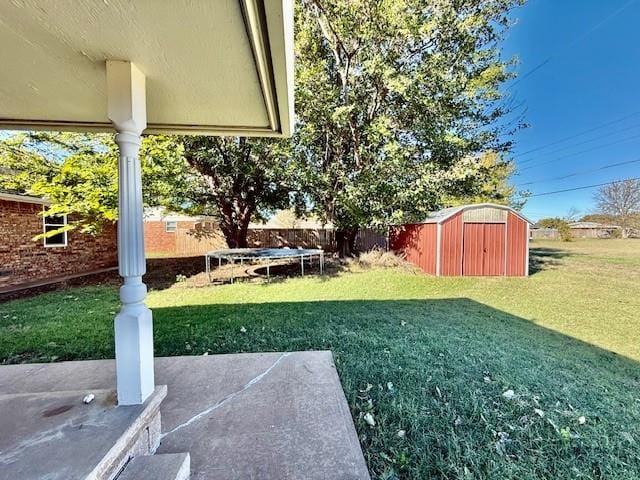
{"x": 230, "y": 236}
{"x": 235, "y": 230}
{"x": 243, "y": 230}
{"x": 235, "y": 236}
{"x": 346, "y": 242}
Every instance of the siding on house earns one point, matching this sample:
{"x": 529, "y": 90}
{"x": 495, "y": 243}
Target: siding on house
{"x": 23, "y": 260}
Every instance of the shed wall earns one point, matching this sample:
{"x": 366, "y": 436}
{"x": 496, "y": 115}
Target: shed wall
{"x": 516, "y": 246}
{"x": 451, "y": 246}
{"x": 418, "y": 244}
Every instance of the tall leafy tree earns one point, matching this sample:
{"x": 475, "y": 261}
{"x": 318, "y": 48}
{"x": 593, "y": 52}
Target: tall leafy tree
{"x": 233, "y": 178}
{"x": 238, "y": 179}
{"x": 395, "y": 101}
{"x": 491, "y": 183}
{"x": 79, "y": 173}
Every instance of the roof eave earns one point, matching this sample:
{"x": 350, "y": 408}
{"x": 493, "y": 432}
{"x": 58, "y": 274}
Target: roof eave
{"x": 12, "y": 197}
{"x": 269, "y": 30}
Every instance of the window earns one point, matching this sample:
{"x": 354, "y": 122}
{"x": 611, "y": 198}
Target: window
{"x": 51, "y": 223}
{"x": 170, "y": 226}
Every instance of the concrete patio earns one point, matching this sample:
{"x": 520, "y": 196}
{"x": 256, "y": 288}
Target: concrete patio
{"x": 245, "y": 416}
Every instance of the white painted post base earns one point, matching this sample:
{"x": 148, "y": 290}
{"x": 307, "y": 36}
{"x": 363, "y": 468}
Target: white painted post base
{"x": 134, "y": 347}
{"x": 134, "y": 323}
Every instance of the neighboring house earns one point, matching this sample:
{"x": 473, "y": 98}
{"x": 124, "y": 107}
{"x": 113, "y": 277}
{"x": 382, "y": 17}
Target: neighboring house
{"x": 25, "y": 262}
{"x": 578, "y": 230}
{"x": 180, "y": 234}
{"x": 593, "y": 230}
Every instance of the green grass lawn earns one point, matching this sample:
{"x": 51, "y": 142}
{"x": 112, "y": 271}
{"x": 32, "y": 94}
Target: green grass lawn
{"x": 430, "y": 358}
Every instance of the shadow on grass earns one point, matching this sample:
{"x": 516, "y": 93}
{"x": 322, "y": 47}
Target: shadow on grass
{"x": 438, "y": 369}
{"x": 162, "y": 272}
{"x": 544, "y": 258}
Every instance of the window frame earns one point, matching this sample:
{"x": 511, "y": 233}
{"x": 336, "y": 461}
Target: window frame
{"x": 65, "y": 233}
{"x": 166, "y": 226}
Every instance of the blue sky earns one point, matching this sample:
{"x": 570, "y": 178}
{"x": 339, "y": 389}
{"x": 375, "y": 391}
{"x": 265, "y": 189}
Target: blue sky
{"x": 590, "y": 81}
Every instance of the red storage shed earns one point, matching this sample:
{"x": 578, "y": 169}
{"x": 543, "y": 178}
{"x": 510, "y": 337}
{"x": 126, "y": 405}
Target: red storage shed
{"x": 470, "y": 240}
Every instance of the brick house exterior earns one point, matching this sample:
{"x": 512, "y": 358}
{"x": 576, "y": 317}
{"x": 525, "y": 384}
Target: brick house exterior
{"x": 174, "y": 234}
{"x": 158, "y": 239}
{"x": 24, "y": 261}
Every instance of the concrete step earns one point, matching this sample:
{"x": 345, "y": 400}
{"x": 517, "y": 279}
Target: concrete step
{"x": 54, "y": 435}
{"x": 165, "y": 466}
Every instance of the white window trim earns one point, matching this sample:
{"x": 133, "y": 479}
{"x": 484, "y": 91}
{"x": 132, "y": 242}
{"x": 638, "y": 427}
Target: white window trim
{"x": 166, "y": 225}
{"x": 65, "y": 233}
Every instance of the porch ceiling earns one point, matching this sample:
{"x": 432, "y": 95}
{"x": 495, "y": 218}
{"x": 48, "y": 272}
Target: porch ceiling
{"x": 212, "y": 67}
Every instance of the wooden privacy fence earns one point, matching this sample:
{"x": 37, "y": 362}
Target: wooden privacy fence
{"x": 545, "y": 234}
{"x": 200, "y": 241}
{"x": 325, "y": 239}
{"x": 291, "y": 237}
{"x": 368, "y": 238}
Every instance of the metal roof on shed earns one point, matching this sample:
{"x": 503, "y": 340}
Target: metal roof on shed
{"x": 446, "y": 213}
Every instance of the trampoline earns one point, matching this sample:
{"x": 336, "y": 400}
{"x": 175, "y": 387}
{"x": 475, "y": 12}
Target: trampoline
{"x": 264, "y": 255}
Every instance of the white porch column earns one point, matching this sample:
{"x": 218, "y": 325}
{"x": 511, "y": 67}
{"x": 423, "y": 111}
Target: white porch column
{"x": 134, "y": 323}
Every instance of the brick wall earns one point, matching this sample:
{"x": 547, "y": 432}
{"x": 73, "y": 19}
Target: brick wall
{"x": 189, "y": 238}
{"x": 157, "y": 239}
{"x": 22, "y": 260}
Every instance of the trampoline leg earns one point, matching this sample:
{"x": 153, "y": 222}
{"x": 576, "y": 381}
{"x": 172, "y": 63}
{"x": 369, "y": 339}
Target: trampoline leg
{"x": 321, "y": 263}
{"x": 268, "y": 265}
{"x": 302, "y": 266}
{"x": 208, "y": 266}
{"x": 233, "y": 263}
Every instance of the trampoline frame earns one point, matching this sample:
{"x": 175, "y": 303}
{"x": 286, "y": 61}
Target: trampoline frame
{"x": 242, "y": 254}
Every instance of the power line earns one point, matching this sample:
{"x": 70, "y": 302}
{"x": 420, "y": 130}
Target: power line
{"x": 574, "y": 144}
{"x": 577, "y": 40}
{"x": 579, "y": 134}
{"x": 597, "y": 147}
{"x": 583, "y": 172}
{"x": 606, "y": 19}
{"x": 583, "y": 187}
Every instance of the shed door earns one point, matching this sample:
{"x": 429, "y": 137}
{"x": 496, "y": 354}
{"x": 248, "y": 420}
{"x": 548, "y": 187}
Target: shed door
{"x": 484, "y": 249}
